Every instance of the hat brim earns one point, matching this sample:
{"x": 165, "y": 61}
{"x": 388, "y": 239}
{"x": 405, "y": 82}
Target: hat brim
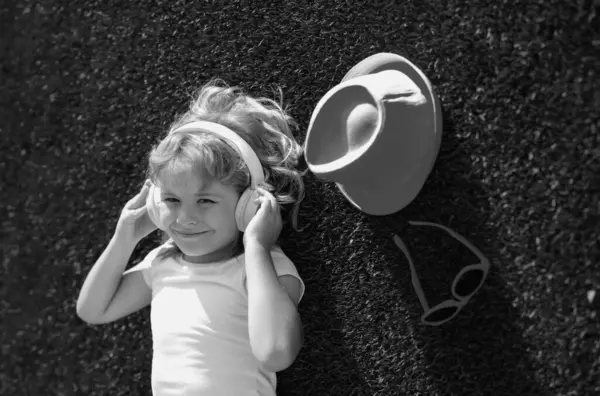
{"x": 392, "y": 197}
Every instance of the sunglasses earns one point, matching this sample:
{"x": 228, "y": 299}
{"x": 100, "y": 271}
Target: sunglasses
{"x": 465, "y": 284}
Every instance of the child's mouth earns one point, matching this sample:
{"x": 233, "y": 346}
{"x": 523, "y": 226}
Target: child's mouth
{"x": 190, "y": 234}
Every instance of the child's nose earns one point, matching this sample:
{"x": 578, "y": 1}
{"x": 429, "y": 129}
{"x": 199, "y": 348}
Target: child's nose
{"x": 188, "y": 216}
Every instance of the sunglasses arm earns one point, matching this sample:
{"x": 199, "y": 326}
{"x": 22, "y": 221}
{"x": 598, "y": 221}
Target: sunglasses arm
{"x": 413, "y": 273}
{"x": 457, "y": 236}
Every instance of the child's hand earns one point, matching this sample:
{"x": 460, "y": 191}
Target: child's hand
{"x": 265, "y": 226}
{"x": 134, "y": 223}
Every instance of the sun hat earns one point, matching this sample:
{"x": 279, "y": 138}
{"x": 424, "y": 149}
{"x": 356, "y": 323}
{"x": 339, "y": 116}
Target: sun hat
{"x": 376, "y": 134}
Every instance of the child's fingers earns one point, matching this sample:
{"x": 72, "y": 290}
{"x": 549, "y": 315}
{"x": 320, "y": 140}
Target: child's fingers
{"x": 265, "y": 197}
{"x": 262, "y": 194}
{"x": 266, "y": 193}
{"x": 268, "y": 202}
{"x": 137, "y": 213}
{"x": 273, "y": 202}
{"x": 144, "y": 192}
{"x": 140, "y": 198}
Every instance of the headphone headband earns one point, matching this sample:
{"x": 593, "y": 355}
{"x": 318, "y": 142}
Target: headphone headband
{"x": 248, "y": 155}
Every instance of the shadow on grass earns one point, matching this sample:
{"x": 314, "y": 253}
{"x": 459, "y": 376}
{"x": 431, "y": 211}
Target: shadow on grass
{"x": 481, "y": 351}
{"x": 325, "y": 363}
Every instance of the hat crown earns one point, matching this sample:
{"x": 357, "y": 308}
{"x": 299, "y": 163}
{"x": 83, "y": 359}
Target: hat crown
{"x": 350, "y": 120}
{"x": 361, "y": 123}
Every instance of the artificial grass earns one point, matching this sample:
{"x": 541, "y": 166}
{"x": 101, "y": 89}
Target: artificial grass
{"x": 88, "y": 88}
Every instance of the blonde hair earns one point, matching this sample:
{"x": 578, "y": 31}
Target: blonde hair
{"x": 263, "y": 123}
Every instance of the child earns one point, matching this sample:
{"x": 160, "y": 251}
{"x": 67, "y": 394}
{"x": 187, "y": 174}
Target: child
{"x": 223, "y": 302}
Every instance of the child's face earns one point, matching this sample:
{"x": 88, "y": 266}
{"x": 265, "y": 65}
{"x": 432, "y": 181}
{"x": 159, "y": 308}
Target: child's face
{"x": 199, "y": 215}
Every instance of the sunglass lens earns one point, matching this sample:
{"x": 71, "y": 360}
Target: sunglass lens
{"x": 440, "y": 314}
{"x": 468, "y": 282}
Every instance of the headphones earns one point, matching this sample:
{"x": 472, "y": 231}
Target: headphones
{"x": 246, "y": 207}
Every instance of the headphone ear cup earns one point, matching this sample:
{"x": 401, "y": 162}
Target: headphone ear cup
{"x": 246, "y": 208}
{"x": 152, "y": 202}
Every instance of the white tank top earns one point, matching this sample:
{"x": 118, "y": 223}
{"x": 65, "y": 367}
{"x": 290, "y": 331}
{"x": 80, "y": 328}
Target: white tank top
{"x": 199, "y": 316}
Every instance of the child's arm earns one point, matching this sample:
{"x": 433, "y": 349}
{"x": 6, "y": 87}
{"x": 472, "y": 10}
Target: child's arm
{"x": 107, "y": 294}
{"x": 274, "y": 325}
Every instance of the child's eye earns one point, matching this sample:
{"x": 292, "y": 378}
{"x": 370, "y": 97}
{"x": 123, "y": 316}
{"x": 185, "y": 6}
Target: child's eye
{"x": 200, "y": 201}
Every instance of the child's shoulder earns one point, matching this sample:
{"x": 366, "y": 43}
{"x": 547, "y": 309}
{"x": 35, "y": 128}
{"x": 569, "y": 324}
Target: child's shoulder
{"x": 150, "y": 261}
{"x": 159, "y": 253}
{"x": 280, "y": 258}
{"x": 277, "y": 251}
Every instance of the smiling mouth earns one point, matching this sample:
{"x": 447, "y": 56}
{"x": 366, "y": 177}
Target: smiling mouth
{"x": 190, "y": 234}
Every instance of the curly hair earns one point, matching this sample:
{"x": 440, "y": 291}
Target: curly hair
{"x": 263, "y": 123}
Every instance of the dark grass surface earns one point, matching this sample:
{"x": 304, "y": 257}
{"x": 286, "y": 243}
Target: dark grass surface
{"x": 87, "y": 88}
